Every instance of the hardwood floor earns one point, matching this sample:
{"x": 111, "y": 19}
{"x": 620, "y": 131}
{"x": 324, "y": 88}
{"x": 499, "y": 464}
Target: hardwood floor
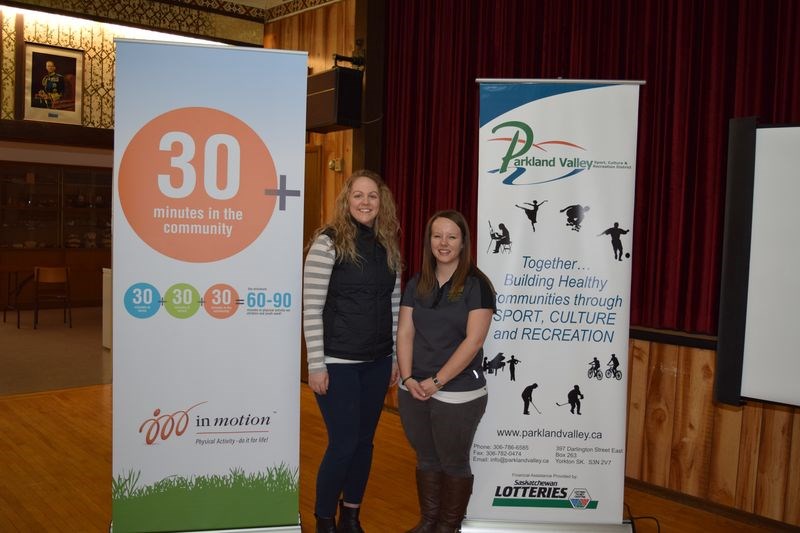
{"x": 55, "y": 472}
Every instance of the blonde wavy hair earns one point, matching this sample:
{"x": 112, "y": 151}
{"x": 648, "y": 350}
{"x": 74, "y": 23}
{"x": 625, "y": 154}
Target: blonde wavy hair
{"x": 344, "y": 228}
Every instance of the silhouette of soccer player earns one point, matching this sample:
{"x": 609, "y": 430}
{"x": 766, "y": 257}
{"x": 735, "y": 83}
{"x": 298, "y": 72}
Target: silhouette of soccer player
{"x": 527, "y": 398}
{"x": 616, "y": 242}
{"x": 531, "y": 211}
{"x": 575, "y": 215}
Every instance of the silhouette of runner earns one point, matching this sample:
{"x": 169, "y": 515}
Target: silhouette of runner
{"x": 575, "y": 214}
{"x": 513, "y": 362}
{"x": 531, "y": 211}
{"x": 574, "y": 397}
{"x": 527, "y": 398}
{"x": 616, "y": 242}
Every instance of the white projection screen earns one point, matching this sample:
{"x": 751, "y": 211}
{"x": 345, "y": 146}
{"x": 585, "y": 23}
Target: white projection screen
{"x": 771, "y": 359}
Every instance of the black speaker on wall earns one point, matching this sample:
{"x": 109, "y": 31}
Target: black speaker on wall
{"x": 334, "y": 100}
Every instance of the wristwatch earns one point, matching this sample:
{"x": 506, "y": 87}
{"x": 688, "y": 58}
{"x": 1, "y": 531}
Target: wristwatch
{"x": 437, "y": 382}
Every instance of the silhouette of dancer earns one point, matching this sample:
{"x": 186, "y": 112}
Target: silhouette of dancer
{"x": 513, "y": 362}
{"x": 574, "y": 397}
{"x": 531, "y": 211}
{"x": 575, "y": 214}
{"x": 616, "y": 242}
{"x": 527, "y": 398}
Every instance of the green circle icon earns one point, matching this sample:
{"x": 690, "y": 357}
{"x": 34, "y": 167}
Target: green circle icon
{"x": 182, "y": 300}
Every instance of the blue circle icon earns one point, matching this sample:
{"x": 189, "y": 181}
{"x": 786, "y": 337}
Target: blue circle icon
{"x": 142, "y": 300}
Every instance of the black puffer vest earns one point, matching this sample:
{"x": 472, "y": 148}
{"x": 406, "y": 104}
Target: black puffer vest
{"x": 357, "y": 317}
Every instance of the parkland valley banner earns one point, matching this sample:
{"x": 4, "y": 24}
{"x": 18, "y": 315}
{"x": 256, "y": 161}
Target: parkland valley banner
{"x": 555, "y": 214}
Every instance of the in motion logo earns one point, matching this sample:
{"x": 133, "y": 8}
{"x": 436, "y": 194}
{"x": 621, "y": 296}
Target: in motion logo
{"x": 163, "y": 426}
{"x": 549, "y": 167}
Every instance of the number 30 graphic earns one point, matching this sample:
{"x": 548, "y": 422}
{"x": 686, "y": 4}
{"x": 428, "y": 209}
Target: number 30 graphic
{"x": 192, "y": 184}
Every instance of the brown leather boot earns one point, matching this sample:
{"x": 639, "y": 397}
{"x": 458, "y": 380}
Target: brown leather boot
{"x": 429, "y": 488}
{"x": 455, "y": 497}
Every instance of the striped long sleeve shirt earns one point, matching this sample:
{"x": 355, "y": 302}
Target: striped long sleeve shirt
{"x": 316, "y": 276}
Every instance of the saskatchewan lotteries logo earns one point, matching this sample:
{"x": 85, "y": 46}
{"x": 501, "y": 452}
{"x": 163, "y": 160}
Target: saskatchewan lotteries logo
{"x": 580, "y": 499}
{"x": 542, "y": 493}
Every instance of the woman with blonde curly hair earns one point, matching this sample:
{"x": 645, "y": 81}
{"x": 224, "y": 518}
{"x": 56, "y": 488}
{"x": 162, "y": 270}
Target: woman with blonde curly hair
{"x": 351, "y": 299}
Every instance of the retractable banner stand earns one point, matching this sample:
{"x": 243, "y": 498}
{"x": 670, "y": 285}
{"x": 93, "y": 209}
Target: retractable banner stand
{"x": 208, "y": 179}
{"x": 555, "y": 213}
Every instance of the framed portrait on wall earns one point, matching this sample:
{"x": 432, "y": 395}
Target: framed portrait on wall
{"x": 53, "y": 84}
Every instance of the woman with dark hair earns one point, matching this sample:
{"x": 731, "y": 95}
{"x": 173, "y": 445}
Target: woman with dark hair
{"x": 445, "y": 316}
{"x": 351, "y": 295}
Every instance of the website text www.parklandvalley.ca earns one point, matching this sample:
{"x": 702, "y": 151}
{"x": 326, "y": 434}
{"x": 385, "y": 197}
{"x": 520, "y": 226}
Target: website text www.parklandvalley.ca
{"x": 545, "y": 433}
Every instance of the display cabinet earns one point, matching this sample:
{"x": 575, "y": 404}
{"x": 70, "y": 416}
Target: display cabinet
{"x": 54, "y": 215}
{"x": 54, "y": 206}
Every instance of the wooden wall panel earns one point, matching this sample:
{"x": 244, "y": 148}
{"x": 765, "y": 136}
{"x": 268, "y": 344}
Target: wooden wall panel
{"x": 693, "y": 422}
{"x": 638, "y": 363}
{"x": 723, "y": 466}
{"x": 773, "y": 456}
{"x": 659, "y": 413}
{"x": 747, "y": 458}
{"x": 791, "y": 513}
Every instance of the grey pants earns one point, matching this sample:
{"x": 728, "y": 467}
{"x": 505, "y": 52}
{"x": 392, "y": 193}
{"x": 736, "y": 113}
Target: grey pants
{"x": 441, "y": 433}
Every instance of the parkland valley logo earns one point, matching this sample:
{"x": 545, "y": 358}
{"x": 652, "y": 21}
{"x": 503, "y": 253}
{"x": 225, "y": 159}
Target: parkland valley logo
{"x": 547, "y": 161}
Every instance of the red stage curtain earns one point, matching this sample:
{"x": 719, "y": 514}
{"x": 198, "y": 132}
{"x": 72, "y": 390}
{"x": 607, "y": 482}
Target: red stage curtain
{"x": 704, "y": 62}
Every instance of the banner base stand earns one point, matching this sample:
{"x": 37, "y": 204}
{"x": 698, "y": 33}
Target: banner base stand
{"x": 497, "y": 526}
{"x": 265, "y": 529}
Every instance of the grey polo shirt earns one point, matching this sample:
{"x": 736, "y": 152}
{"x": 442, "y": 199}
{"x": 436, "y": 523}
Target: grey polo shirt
{"x": 440, "y": 325}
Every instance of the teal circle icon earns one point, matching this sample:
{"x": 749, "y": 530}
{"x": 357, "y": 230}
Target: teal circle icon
{"x": 142, "y": 300}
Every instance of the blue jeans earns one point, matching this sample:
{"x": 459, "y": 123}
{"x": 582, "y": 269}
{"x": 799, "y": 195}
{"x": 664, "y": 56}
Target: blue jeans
{"x": 441, "y": 433}
{"x": 351, "y": 410}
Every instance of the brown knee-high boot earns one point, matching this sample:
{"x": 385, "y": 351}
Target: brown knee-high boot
{"x": 455, "y": 497}
{"x": 429, "y": 486}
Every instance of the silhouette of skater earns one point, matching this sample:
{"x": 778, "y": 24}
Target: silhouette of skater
{"x": 527, "y": 398}
{"x": 616, "y": 243}
{"x": 575, "y": 214}
{"x": 531, "y": 211}
{"x": 574, "y": 397}
{"x": 501, "y": 237}
{"x": 513, "y": 362}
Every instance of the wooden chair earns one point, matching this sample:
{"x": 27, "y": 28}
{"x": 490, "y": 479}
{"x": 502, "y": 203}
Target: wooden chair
{"x": 51, "y": 285}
